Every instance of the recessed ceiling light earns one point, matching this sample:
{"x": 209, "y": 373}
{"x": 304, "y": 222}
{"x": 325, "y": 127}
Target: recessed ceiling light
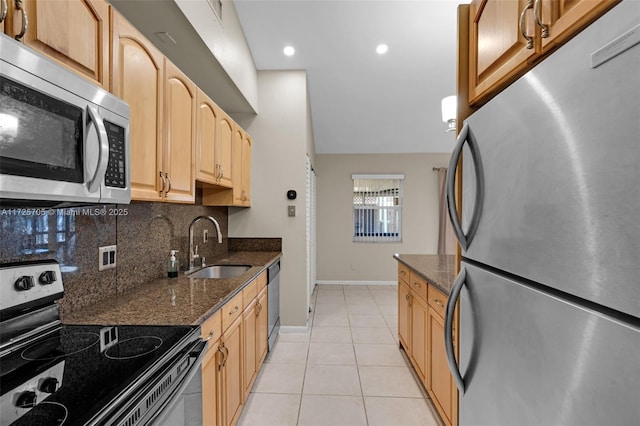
{"x": 382, "y": 49}
{"x": 289, "y": 50}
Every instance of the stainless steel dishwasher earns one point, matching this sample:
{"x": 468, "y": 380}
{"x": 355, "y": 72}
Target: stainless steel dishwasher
{"x": 273, "y": 302}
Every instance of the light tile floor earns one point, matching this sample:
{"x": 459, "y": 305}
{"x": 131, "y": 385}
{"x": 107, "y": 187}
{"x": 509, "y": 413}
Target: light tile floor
{"x": 348, "y": 371}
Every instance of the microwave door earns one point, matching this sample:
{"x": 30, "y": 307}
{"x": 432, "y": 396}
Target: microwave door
{"x": 42, "y": 151}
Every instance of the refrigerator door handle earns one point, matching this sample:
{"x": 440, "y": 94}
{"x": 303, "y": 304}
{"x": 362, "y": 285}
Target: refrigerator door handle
{"x": 448, "y": 329}
{"x": 465, "y": 136}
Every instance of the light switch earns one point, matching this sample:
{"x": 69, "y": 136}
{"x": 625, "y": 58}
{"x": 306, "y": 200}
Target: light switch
{"x": 291, "y": 211}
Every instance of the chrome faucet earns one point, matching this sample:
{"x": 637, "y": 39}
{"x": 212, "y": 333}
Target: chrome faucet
{"x": 193, "y": 255}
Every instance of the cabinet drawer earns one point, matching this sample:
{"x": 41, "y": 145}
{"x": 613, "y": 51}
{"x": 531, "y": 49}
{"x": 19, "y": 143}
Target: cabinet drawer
{"x": 249, "y": 293}
{"x": 212, "y": 327}
{"x": 418, "y": 285}
{"x": 231, "y": 310}
{"x": 437, "y": 300}
{"x": 262, "y": 280}
{"x": 403, "y": 272}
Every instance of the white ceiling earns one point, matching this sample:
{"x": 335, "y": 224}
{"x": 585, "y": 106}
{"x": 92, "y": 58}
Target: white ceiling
{"x": 362, "y": 102}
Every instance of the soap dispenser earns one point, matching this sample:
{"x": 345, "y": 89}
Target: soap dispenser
{"x": 173, "y": 266}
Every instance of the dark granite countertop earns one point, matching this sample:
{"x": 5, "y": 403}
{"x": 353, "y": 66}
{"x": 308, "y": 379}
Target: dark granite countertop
{"x": 173, "y": 301}
{"x": 438, "y": 270}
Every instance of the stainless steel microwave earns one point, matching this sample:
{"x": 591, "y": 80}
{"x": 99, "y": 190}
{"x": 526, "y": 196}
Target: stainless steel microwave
{"x": 63, "y": 140}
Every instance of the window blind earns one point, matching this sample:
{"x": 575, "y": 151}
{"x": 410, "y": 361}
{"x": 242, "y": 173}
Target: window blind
{"x": 377, "y": 207}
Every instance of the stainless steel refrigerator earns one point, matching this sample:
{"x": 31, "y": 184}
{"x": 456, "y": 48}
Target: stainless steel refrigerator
{"x": 549, "y": 286}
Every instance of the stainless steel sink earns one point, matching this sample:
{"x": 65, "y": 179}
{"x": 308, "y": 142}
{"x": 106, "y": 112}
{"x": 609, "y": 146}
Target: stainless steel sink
{"x": 220, "y": 271}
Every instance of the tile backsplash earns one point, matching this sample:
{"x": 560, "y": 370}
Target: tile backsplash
{"x": 144, "y": 233}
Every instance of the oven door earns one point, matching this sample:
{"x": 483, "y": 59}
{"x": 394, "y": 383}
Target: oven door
{"x": 57, "y": 142}
{"x": 172, "y": 397}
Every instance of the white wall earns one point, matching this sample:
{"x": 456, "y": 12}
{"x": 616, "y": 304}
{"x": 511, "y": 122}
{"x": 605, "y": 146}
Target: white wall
{"x": 280, "y": 142}
{"x": 340, "y": 259}
{"x": 226, "y": 42}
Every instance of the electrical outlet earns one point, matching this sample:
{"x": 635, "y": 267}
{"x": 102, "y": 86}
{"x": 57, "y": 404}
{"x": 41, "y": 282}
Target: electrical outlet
{"x": 205, "y": 235}
{"x": 107, "y": 257}
{"x": 291, "y": 211}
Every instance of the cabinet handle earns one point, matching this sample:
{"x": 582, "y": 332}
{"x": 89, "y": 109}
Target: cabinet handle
{"x": 169, "y": 179}
{"x": 234, "y": 311}
{"x": 523, "y": 26}
{"x": 226, "y": 356}
{"x": 223, "y": 358}
{"x": 210, "y": 336}
{"x": 164, "y": 182}
{"x": 416, "y": 284}
{"x": 537, "y": 13}
{"x": 3, "y": 10}
{"x": 410, "y": 298}
{"x": 25, "y": 20}
{"x": 438, "y": 302}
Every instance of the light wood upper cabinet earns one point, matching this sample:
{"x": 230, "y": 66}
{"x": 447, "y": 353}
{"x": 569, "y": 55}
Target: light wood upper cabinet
{"x": 564, "y": 18}
{"x": 74, "y": 33}
{"x": 241, "y": 168}
{"x": 224, "y": 146}
{"x": 497, "y": 47}
{"x": 207, "y": 118}
{"x": 180, "y": 121}
{"x": 162, "y": 102}
{"x": 507, "y": 37}
{"x": 240, "y": 194}
{"x": 138, "y": 78}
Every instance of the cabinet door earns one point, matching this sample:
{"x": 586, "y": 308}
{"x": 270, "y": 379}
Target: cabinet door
{"x": 207, "y": 115}
{"x": 418, "y": 342}
{"x": 224, "y": 148}
{"x": 211, "y": 384}
{"x": 249, "y": 338}
{"x": 497, "y": 48}
{"x": 74, "y": 33}
{"x": 246, "y": 170}
{"x": 404, "y": 299}
{"x": 138, "y": 78}
{"x": 565, "y": 18}
{"x": 263, "y": 327}
{"x": 180, "y": 120}
{"x": 232, "y": 372}
{"x": 440, "y": 381}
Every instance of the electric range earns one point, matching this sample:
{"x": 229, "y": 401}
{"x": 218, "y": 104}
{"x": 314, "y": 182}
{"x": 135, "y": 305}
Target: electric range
{"x": 56, "y": 374}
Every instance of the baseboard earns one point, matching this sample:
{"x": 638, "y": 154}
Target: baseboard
{"x": 294, "y": 329}
{"x": 328, "y": 282}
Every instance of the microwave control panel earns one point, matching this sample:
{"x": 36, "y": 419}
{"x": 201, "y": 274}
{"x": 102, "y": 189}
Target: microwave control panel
{"x": 115, "y": 174}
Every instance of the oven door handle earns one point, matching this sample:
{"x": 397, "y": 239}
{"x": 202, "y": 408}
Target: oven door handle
{"x": 165, "y": 410}
{"x": 103, "y": 153}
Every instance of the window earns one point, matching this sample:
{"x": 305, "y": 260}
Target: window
{"x": 377, "y": 208}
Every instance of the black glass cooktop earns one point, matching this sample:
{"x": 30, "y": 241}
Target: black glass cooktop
{"x": 83, "y": 376}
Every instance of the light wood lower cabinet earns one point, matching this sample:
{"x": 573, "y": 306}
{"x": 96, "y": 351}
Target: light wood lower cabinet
{"x": 249, "y": 329}
{"x": 421, "y": 333}
{"x": 231, "y": 389}
{"x": 440, "y": 384}
{"x": 237, "y": 347}
{"x": 418, "y": 344}
{"x": 262, "y": 345}
{"x": 211, "y": 331}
